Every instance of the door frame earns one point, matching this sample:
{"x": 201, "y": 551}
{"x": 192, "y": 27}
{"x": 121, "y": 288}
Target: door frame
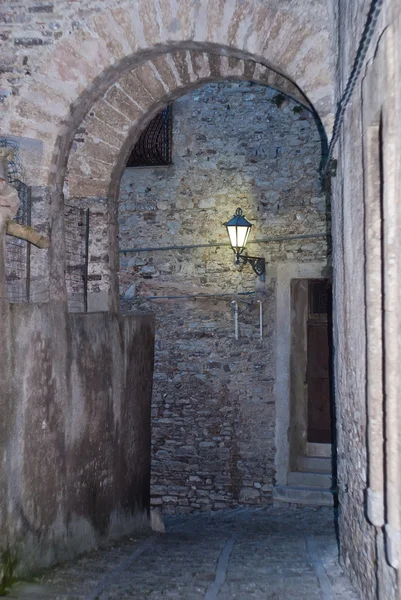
{"x": 286, "y": 272}
{"x": 322, "y": 320}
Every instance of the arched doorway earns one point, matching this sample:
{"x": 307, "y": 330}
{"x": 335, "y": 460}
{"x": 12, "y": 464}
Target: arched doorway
{"x": 86, "y": 126}
{"x": 93, "y": 173}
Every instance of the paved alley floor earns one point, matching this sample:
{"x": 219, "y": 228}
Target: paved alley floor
{"x": 255, "y": 554}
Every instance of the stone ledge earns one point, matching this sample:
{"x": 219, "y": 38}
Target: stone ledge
{"x": 302, "y": 495}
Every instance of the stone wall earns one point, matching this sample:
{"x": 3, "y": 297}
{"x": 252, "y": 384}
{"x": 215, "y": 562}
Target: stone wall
{"x": 75, "y": 431}
{"x": 39, "y": 258}
{"x": 357, "y": 254}
{"x": 213, "y": 419}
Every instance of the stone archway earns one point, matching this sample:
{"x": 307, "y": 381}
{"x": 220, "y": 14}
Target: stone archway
{"x": 98, "y": 87}
{"x": 284, "y": 45}
{"x": 93, "y": 153}
{"x": 114, "y": 122}
{"x": 96, "y": 49}
{"x": 103, "y": 139}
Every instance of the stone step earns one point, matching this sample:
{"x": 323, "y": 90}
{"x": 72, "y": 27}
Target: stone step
{"x": 316, "y": 480}
{"x": 314, "y": 464}
{"x": 310, "y": 496}
{"x": 323, "y": 450}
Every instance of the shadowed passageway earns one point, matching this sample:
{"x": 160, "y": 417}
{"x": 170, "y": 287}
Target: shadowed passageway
{"x": 260, "y": 554}
{"x": 143, "y": 361}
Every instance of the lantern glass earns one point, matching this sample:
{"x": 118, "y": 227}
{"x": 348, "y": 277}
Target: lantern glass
{"x": 238, "y": 229}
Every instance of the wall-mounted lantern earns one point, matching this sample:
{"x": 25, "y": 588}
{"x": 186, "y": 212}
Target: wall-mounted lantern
{"x": 238, "y": 229}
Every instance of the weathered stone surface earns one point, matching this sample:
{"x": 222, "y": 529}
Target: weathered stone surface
{"x": 122, "y": 102}
{"x": 142, "y": 85}
{"x": 274, "y": 554}
{"x": 78, "y": 437}
{"x": 9, "y": 201}
{"x": 58, "y": 62}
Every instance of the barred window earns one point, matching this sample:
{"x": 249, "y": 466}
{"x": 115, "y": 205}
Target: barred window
{"x": 155, "y": 143}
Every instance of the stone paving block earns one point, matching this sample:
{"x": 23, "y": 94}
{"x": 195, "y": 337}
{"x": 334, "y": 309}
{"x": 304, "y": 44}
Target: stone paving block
{"x": 275, "y": 554}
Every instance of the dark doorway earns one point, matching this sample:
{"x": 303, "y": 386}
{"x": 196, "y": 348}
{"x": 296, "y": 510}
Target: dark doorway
{"x": 318, "y": 362}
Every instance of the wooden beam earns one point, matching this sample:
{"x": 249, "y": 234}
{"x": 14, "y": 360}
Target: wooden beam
{"x": 24, "y": 232}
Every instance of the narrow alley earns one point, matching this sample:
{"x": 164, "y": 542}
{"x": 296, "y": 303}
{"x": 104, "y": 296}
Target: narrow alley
{"x": 200, "y": 291}
{"x": 256, "y": 554}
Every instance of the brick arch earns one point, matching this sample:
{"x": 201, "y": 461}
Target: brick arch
{"x": 115, "y": 121}
{"x": 73, "y": 74}
{"x": 104, "y": 138}
{"x": 281, "y": 38}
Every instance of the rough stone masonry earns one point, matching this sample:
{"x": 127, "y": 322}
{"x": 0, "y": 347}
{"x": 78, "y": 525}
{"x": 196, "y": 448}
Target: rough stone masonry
{"x": 213, "y": 416}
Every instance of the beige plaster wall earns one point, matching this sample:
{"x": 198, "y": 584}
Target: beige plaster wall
{"x": 76, "y": 431}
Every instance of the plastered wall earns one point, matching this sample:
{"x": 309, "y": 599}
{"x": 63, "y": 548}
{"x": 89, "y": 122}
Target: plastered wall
{"x": 76, "y": 435}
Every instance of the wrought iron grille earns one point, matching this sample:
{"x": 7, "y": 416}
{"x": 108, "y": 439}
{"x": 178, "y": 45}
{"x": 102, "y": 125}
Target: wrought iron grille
{"x": 154, "y": 147}
{"x": 18, "y": 251}
{"x": 15, "y": 177}
{"x": 76, "y": 260}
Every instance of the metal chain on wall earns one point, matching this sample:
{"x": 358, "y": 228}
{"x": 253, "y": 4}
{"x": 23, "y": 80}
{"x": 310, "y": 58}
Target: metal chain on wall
{"x": 366, "y": 38}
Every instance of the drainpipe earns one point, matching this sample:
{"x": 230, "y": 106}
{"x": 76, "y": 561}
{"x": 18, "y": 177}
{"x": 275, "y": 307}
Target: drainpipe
{"x": 374, "y": 329}
{"x": 392, "y": 325}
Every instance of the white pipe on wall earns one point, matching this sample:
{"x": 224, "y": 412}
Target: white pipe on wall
{"x": 392, "y": 301}
{"x": 374, "y": 333}
{"x": 235, "y": 304}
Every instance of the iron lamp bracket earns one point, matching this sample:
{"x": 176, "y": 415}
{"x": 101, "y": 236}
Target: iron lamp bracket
{"x": 257, "y": 263}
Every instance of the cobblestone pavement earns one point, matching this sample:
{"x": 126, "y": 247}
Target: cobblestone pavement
{"x": 255, "y": 554}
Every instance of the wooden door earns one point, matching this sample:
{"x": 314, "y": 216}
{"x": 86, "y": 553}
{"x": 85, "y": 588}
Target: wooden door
{"x": 319, "y": 362}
